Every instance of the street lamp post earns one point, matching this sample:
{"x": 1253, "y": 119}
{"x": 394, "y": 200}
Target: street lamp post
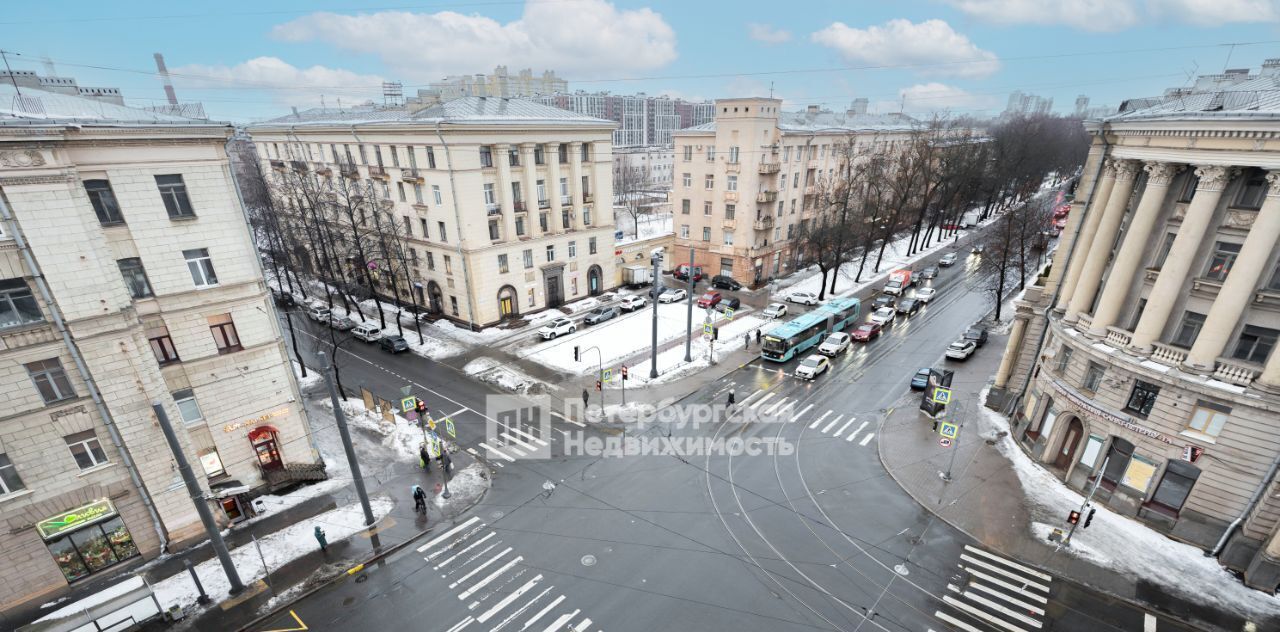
{"x": 657, "y": 291}
{"x": 688, "y": 334}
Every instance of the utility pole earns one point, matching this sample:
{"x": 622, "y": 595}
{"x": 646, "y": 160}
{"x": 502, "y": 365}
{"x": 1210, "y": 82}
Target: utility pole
{"x": 1096, "y": 480}
{"x": 955, "y": 446}
{"x": 657, "y": 291}
{"x": 688, "y": 334}
{"x": 345, "y": 433}
{"x": 197, "y": 497}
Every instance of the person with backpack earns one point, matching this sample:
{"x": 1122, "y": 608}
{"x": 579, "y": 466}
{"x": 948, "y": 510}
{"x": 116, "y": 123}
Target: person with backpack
{"x": 419, "y": 499}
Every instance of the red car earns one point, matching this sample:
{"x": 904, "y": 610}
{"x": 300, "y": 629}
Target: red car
{"x": 864, "y": 333}
{"x": 709, "y": 299}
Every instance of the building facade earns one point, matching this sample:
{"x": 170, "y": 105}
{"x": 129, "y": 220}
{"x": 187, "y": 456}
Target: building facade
{"x": 642, "y": 120}
{"x": 499, "y": 197}
{"x": 1146, "y": 359}
{"x": 745, "y": 185}
{"x": 127, "y": 277}
{"x": 649, "y": 167}
{"x": 501, "y": 83}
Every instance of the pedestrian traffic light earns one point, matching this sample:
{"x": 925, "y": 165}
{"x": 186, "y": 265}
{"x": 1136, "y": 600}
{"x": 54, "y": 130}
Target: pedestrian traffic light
{"x": 715, "y": 333}
{"x": 1089, "y": 518}
{"x": 1073, "y": 517}
{"x": 597, "y": 385}
{"x": 624, "y": 371}
{"x": 575, "y": 353}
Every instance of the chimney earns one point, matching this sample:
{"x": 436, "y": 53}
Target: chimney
{"x": 811, "y": 110}
{"x": 164, "y": 76}
{"x": 858, "y": 107}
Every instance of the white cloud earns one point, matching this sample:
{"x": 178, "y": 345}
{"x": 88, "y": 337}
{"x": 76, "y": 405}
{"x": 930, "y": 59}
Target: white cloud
{"x": 590, "y": 37}
{"x": 1115, "y": 15}
{"x": 932, "y": 44}
{"x": 934, "y": 96}
{"x": 285, "y": 83}
{"x": 768, "y": 34}
{"x": 1216, "y": 12}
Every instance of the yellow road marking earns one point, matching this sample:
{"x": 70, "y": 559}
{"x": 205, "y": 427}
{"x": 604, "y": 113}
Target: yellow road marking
{"x": 301, "y": 625}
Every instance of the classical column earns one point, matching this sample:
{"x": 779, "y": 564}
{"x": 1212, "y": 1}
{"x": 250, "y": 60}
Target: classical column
{"x": 575, "y": 182}
{"x": 601, "y": 185}
{"x": 1270, "y": 379}
{"x": 1238, "y": 288}
{"x": 553, "y": 187}
{"x": 1092, "y": 216}
{"x": 1125, "y": 266}
{"x": 1100, "y": 246}
{"x": 1011, "y": 351}
{"x": 533, "y": 225}
{"x": 1173, "y": 273}
{"x": 504, "y": 191}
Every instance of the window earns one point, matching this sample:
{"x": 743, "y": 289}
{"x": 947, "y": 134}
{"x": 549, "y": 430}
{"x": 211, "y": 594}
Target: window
{"x": 201, "y": 267}
{"x": 591, "y": 246}
{"x": 1255, "y": 344}
{"x": 564, "y": 190}
{"x": 444, "y": 236}
{"x": 706, "y": 208}
{"x": 502, "y": 264}
{"x": 224, "y": 333}
{"x": 486, "y": 156}
{"x": 417, "y": 193}
{"x": 395, "y": 155}
{"x": 9, "y": 480}
{"x": 684, "y": 231}
{"x": 551, "y": 253}
{"x": 364, "y": 157}
{"x": 1165, "y": 247}
{"x": 85, "y": 448}
{"x": 493, "y": 231}
{"x": 542, "y": 193}
{"x": 795, "y": 183}
{"x": 1142, "y": 398}
{"x": 684, "y": 207}
{"x": 586, "y": 216}
{"x": 709, "y": 181}
{"x": 562, "y": 153}
{"x": 1093, "y": 377}
{"x": 431, "y": 158}
{"x": 1138, "y": 475}
{"x": 532, "y": 298}
{"x": 1117, "y": 461}
{"x": 1137, "y": 314}
{"x": 1064, "y": 358}
{"x": 687, "y": 179}
{"x": 431, "y": 260}
{"x": 706, "y": 233}
{"x": 573, "y": 249}
{"x": 187, "y": 406}
{"x": 513, "y": 157}
{"x": 1224, "y": 256}
{"x": 542, "y": 222}
{"x": 566, "y": 217}
{"x": 1175, "y": 486}
{"x": 400, "y": 192}
{"x": 435, "y": 193}
{"x": 519, "y": 226}
{"x": 17, "y": 304}
{"x": 1189, "y": 329}
{"x": 538, "y": 157}
{"x": 1252, "y": 189}
{"x": 729, "y": 210}
{"x": 528, "y": 258}
{"x": 103, "y": 201}
{"x": 728, "y": 238}
{"x": 586, "y": 188}
{"x": 162, "y": 345}
{"x": 448, "y": 266}
{"x": 733, "y": 182}
{"x": 733, "y": 155}
{"x": 786, "y": 153}
{"x": 1207, "y": 418}
{"x": 1189, "y": 186}
{"x": 688, "y": 153}
{"x": 135, "y": 278}
{"x": 174, "y": 193}
{"x": 453, "y": 305}
{"x": 1275, "y": 278}
{"x": 489, "y": 199}
{"x": 711, "y": 153}
{"x": 51, "y": 380}
{"x": 211, "y": 462}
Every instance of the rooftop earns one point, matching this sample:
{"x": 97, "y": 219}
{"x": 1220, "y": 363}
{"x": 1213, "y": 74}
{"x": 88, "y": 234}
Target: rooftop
{"x": 1232, "y": 94}
{"x": 809, "y": 122}
{"x": 466, "y": 110}
{"x": 39, "y": 107}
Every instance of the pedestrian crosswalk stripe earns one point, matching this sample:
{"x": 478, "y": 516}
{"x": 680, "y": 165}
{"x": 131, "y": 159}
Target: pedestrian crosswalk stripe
{"x": 801, "y": 413}
{"x": 509, "y": 598}
{"x": 557, "y": 625}
{"x": 479, "y": 568}
{"x": 497, "y": 452}
{"x": 956, "y": 622}
{"x": 566, "y": 419}
{"x": 762, "y": 400}
{"x": 1027, "y": 582}
{"x": 541, "y": 613}
{"x": 522, "y": 609}
{"x": 529, "y": 436}
{"x": 512, "y": 438}
{"x": 1013, "y": 614}
{"x": 1008, "y": 562}
{"x": 819, "y": 420}
{"x": 775, "y": 405}
{"x": 981, "y": 614}
{"x": 833, "y": 423}
{"x": 473, "y": 545}
{"x": 448, "y": 534}
{"x": 846, "y": 426}
{"x": 999, "y": 595}
{"x": 586, "y": 623}
{"x": 1003, "y": 584}
{"x": 485, "y": 582}
{"x": 867, "y": 439}
{"x": 462, "y": 624}
{"x": 1148, "y": 622}
{"x": 854, "y": 435}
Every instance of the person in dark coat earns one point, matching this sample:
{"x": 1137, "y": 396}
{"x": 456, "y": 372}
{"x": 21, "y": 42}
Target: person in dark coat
{"x": 424, "y": 457}
{"x": 419, "y": 499}
{"x": 446, "y": 461}
{"x": 732, "y": 400}
{"x": 757, "y": 336}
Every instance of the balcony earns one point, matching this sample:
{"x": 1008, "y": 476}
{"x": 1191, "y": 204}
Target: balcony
{"x": 727, "y": 224}
{"x": 349, "y": 170}
{"x": 544, "y": 203}
{"x": 764, "y": 222}
{"x": 1168, "y": 354}
{"x": 410, "y": 174}
{"x": 377, "y": 171}
{"x": 519, "y": 206}
{"x": 566, "y": 200}
{"x": 732, "y": 167}
{"x": 731, "y": 196}
{"x": 493, "y": 209}
{"x": 765, "y": 197}
{"x": 277, "y": 164}
{"x": 768, "y": 168}
{"x": 810, "y": 190}
{"x": 299, "y": 165}
{"x": 1236, "y": 372}
{"x": 587, "y": 197}
{"x": 1118, "y": 337}
{"x": 324, "y": 170}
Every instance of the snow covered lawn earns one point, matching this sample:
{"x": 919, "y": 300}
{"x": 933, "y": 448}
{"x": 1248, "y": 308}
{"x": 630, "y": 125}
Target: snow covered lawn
{"x": 671, "y": 364}
{"x": 504, "y": 377}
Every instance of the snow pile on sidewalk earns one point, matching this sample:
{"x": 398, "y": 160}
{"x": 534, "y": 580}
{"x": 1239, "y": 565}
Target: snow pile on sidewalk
{"x": 503, "y": 376}
{"x": 313, "y": 378}
{"x": 671, "y": 364}
{"x": 400, "y": 435}
{"x": 278, "y": 549}
{"x": 1120, "y": 543}
{"x": 466, "y": 485}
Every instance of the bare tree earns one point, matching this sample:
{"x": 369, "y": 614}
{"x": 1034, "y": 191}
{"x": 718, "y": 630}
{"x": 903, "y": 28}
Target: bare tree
{"x": 998, "y": 260}
{"x": 630, "y": 187}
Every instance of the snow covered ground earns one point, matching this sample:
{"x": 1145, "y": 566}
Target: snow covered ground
{"x": 1122, "y": 544}
{"x": 895, "y": 257}
{"x": 671, "y": 364}
{"x": 400, "y": 437}
{"x": 312, "y": 380}
{"x": 505, "y": 377}
{"x": 617, "y": 339}
{"x": 648, "y": 226}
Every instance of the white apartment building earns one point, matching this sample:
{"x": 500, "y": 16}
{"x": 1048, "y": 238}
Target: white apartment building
{"x": 127, "y": 276}
{"x": 745, "y": 184}
{"x": 499, "y": 196}
{"x": 652, "y": 166}
{"x": 501, "y": 83}
{"x": 642, "y": 120}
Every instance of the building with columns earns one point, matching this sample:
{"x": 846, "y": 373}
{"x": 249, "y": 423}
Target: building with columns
{"x": 498, "y": 196}
{"x": 1146, "y": 356}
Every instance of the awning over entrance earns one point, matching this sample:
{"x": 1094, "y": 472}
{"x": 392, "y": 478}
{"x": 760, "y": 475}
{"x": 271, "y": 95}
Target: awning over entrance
{"x": 262, "y": 432}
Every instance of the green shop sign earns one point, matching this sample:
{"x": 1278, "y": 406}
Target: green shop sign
{"x": 76, "y": 518}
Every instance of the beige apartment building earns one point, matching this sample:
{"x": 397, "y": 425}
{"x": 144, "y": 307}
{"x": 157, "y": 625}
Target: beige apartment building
{"x": 506, "y": 202}
{"x": 746, "y": 184}
{"x": 127, "y": 277}
{"x": 1147, "y": 356}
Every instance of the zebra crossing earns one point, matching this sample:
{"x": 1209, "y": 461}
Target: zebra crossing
{"x": 500, "y": 593}
{"x": 513, "y": 442}
{"x": 851, "y": 428}
{"x": 991, "y": 593}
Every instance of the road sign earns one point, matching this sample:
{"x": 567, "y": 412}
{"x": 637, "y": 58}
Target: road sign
{"x": 407, "y": 404}
{"x": 728, "y": 313}
{"x": 708, "y": 329}
{"x": 448, "y": 427}
{"x": 431, "y": 423}
{"x": 944, "y": 442}
{"x": 942, "y": 395}
{"x": 607, "y": 375}
{"x": 948, "y": 430}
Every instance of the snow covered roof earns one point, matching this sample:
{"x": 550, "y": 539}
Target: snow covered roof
{"x": 827, "y": 121}
{"x": 39, "y": 107}
{"x": 466, "y": 110}
{"x": 1235, "y": 94}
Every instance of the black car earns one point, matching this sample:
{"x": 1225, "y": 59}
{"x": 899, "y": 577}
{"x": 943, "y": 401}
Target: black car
{"x": 908, "y": 306}
{"x": 977, "y": 334}
{"x": 284, "y": 299}
{"x": 394, "y": 344}
{"x": 930, "y": 272}
{"x": 722, "y": 282}
{"x": 884, "y": 300}
{"x": 728, "y": 302}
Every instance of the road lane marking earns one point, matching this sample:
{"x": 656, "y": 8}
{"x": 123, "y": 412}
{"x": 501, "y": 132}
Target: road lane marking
{"x": 846, "y": 426}
{"x": 495, "y": 451}
{"x": 510, "y": 598}
{"x": 485, "y": 582}
{"x": 1008, "y": 562}
{"x": 1148, "y": 622}
{"x": 762, "y": 400}
{"x": 566, "y": 419}
{"x": 559, "y": 623}
{"x": 462, "y": 624}
{"x": 457, "y": 412}
{"x": 867, "y": 439}
{"x": 775, "y": 405}
{"x": 956, "y": 622}
{"x": 981, "y": 614}
{"x": 555, "y": 602}
{"x": 447, "y": 534}
{"x": 833, "y": 423}
{"x": 854, "y": 435}
{"x": 748, "y": 397}
{"x": 819, "y": 420}
{"x": 478, "y": 569}
{"x": 516, "y": 440}
{"x": 1018, "y": 616}
{"x": 469, "y": 547}
{"x": 1017, "y": 602}
{"x": 802, "y": 412}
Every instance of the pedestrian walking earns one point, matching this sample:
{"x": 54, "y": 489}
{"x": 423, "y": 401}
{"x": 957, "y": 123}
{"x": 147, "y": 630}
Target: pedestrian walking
{"x": 446, "y": 462}
{"x": 732, "y": 400}
{"x": 424, "y": 457}
{"x": 746, "y": 340}
{"x": 757, "y": 336}
{"x": 319, "y": 533}
{"x": 419, "y": 499}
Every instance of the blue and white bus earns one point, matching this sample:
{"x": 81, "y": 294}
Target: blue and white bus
{"x": 796, "y": 336}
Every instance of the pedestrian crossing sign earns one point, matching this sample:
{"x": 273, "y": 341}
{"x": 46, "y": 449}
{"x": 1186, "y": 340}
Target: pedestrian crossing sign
{"x": 941, "y": 395}
{"x": 607, "y": 376}
{"x": 407, "y": 404}
{"x": 708, "y": 329}
{"x": 728, "y": 313}
{"x": 948, "y": 430}
{"x": 448, "y": 427}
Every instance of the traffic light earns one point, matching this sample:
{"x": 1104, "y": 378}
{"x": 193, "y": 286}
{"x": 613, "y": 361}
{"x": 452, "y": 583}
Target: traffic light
{"x": 1073, "y": 517}
{"x": 715, "y": 333}
{"x": 597, "y": 385}
{"x": 575, "y": 354}
{"x": 1089, "y": 518}
{"x": 624, "y": 372}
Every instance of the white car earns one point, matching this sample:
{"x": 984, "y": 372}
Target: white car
{"x": 367, "y": 332}
{"x": 632, "y": 303}
{"x": 961, "y": 349}
{"x": 948, "y": 260}
{"x": 557, "y": 327}
{"x": 926, "y": 294}
{"x": 775, "y": 310}
{"x": 318, "y": 313}
{"x": 836, "y": 343}
{"x": 812, "y": 366}
{"x": 803, "y": 298}
{"x": 671, "y": 296}
{"x": 883, "y": 316}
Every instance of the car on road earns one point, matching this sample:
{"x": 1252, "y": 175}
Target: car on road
{"x": 600, "y": 314}
{"x": 884, "y": 300}
{"x": 775, "y": 310}
{"x": 394, "y": 344}
{"x": 908, "y": 306}
{"x": 722, "y": 282}
{"x": 342, "y": 323}
{"x": 948, "y": 260}
{"x": 978, "y": 249}
{"x": 729, "y": 302}
{"x": 709, "y": 299}
{"x": 926, "y": 294}
{"x": 318, "y": 313}
{"x": 977, "y": 334}
{"x": 283, "y": 299}
{"x": 883, "y": 316}
{"x": 920, "y": 380}
{"x": 812, "y": 366}
{"x": 803, "y": 298}
{"x": 682, "y": 273}
{"x": 867, "y": 331}
{"x": 836, "y": 343}
{"x": 367, "y": 332}
{"x": 557, "y": 327}
{"x": 961, "y": 349}
{"x": 632, "y": 303}
{"x": 930, "y": 272}
{"x": 671, "y": 296}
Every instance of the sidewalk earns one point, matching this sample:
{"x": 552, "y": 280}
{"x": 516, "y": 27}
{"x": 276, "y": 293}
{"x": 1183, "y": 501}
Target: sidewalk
{"x": 987, "y": 499}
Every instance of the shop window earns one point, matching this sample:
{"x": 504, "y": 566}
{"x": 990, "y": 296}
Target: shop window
{"x": 86, "y": 449}
{"x": 51, "y": 380}
{"x": 92, "y": 548}
{"x": 212, "y": 463}
{"x": 186, "y": 401}
{"x": 1138, "y": 475}
{"x": 10, "y": 482}
{"x": 1093, "y": 377}
{"x": 1174, "y": 487}
{"x": 1208, "y": 418}
{"x": 1142, "y": 398}
{"x": 1042, "y": 425}
{"x": 1117, "y": 462}
{"x": 224, "y": 333}
{"x": 1092, "y": 447}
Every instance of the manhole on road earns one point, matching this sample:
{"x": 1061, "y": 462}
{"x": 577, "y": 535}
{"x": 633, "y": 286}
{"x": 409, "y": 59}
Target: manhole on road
{"x": 901, "y": 569}
{"x": 588, "y": 560}
{"x": 496, "y": 515}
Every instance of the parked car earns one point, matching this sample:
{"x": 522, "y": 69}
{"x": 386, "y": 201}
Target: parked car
{"x": 342, "y": 323}
{"x": 908, "y": 306}
{"x": 930, "y": 272}
{"x": 977, "y": 334}
{"x": 284, "y": 299}
{"x": 920, "y": 380}
{"x": 722, "y": 282}
{"x": 775, "y": 310}
{"x": 803, "y": 298}
{"x": 600, "y": 314}
{"x": 948, "y": 260}
{"x": 709, "y": 299}
{"x": 836, "y": 343}
{"x": 682, "y": 273}
{"x": 367, "y": 332}
{"x": 865, "y": 332}
{"x": 729, "y": 302}
{"x": 812, "y": 366}
{"x": 318, "y": 313}
{"x": 672, "y": 295}
{"x": 394, "y": 344}
{"x": 961, "y": 349}
{"x": 926, "y": 294}
{"x": 557, "y": 327}
{"x": 883, "y": 316}
{"x": 884, "y": 300}
{"x": 632, "y": 303}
